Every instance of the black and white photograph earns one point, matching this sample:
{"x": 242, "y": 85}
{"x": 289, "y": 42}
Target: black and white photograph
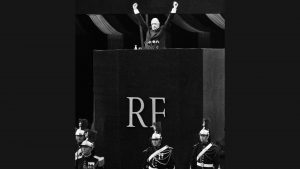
{"x": 150, "y": 85}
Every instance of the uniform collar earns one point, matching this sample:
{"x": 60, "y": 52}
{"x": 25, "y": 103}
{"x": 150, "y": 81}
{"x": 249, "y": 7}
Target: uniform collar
{"x": 157, "y": 147}
{"x": 157, "y": 30}
{"x": 87, "y": 156}
{"x": 204, "y": 144}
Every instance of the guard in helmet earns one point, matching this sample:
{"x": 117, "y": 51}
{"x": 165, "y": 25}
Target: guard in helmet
{"x": 157, "y": 156}
{"x": 205, "y": 153}
{"x": 79, "y": 136}
{"x": 85, "y": 159}
{"x": 81, "y": 132}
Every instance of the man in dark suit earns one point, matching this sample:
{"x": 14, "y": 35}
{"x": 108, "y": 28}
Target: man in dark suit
{"x": 156, "y": 35}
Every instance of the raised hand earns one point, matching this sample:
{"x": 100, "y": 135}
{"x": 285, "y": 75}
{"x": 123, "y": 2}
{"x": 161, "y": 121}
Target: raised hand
{"x": 135, "y": 5}
{"x": 175, "y": 4}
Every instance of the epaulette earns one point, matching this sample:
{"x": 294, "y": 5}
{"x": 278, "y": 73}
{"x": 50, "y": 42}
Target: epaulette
{"x": 100, "y": 161}
{"x": 99, "y": 158}
{"x": 78, "y": 154}
{"x": 170, "y": 147}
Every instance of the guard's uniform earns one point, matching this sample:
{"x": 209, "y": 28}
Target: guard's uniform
{"x": 79, "y": 132}
{"x": 209, "y": 160}
{"x": 90, "y": 162}
{"x": 162, "y": 160}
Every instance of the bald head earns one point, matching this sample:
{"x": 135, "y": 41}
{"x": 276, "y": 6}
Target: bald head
{"x": 155, "y": 24}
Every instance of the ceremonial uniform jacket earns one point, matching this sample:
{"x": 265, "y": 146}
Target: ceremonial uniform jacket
{"x": 77, "y": 146}
{"x": 90, "y": 162}
{"x": 210, "y": 157}
{"x": 162, "y": 160}
{"x": 157, "y": 35}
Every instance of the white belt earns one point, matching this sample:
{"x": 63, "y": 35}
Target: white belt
{"x": 204, "y": 165}
{"x": 151, "y": 167}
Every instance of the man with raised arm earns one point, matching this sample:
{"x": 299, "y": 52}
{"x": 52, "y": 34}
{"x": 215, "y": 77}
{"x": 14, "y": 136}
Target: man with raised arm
{"x": 156, "y": 33}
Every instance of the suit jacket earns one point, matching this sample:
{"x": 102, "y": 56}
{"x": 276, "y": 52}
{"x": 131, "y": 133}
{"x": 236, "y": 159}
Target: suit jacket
{"x": 159, "y": 34}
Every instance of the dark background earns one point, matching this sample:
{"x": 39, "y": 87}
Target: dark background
{"x": 262, "y": 88}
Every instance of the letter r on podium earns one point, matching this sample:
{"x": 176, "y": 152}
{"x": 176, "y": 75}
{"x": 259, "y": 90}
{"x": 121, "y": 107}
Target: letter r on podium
{"x": 137, "y": 113}
{"x": 142, "y": 105}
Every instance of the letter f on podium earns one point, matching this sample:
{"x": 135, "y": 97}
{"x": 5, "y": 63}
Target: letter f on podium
{"x": 137, "y": 113}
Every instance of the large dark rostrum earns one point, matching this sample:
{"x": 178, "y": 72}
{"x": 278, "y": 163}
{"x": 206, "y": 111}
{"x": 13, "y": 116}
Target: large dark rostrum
{"x": 173, "y": 74}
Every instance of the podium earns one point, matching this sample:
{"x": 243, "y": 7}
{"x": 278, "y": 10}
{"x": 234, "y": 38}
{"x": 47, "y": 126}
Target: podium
{"x": 178, "y": 86}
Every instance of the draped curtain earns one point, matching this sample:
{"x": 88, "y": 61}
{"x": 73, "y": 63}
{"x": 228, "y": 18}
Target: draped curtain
{"x": 103, "y": 25}
{"x": 179, "y": 21}
{"x": 217, "y": 19}
{"x": 114, "y": 37}
{"x": 115, "y": 26}
{"x": 192, "y": 24}
{"x": 108, "y": 29}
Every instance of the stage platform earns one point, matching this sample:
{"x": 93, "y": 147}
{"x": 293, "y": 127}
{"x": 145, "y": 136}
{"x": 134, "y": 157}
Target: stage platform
{"x": 185, "y": 84}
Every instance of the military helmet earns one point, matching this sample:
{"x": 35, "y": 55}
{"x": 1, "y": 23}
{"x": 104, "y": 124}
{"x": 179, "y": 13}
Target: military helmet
{"x": 87, "y": 143}
{"x": 157, "y": 131}
{"x": 90, "y": 139}
{"x": 79, "y": 132}
{"x": 205, "y": 129}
